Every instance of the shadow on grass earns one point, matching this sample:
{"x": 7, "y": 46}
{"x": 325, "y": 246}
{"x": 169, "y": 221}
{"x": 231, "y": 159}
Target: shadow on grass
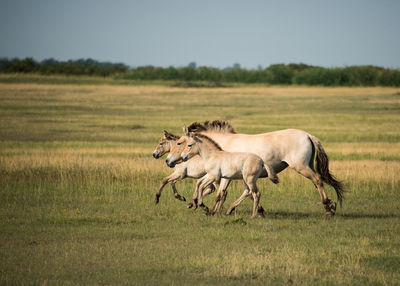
{"x": 368, "y": 215}
{"x": 301, "y": 215}
{"x": 288, "y": 215}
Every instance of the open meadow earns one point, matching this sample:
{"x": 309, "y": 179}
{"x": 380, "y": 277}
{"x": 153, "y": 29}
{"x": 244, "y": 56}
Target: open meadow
{"x": 77, "y": 186}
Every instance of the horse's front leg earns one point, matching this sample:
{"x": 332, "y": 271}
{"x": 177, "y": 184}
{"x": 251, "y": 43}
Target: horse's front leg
{"x": 176, "y": 194}
{"x": 205, "y": 183}
{"x": 174, "y": 177}
{"x": 193, "y": 203}
{"x": 223, "y": 186}
{"x": 217, "y": 198}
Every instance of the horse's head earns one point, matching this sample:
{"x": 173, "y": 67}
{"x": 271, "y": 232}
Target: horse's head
{"x": 174, "y": 155}
{"x": 164, "y": 144}
{"x": 191, "y": 147}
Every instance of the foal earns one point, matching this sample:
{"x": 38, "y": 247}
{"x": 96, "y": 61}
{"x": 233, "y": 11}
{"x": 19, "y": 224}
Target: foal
{"x": 193, "y": 169}
{"x": 228, "y": 165}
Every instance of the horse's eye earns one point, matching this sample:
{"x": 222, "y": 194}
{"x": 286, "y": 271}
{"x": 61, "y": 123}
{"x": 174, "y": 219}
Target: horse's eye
{"x": 178, "y": 144}
{"x": 190, "y": 145}
{"x": 161, "y": 144}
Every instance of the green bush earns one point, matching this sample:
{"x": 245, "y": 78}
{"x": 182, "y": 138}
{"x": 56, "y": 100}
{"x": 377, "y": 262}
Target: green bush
{"x": 389, "y": 77}
{"x": 321, "y": 76}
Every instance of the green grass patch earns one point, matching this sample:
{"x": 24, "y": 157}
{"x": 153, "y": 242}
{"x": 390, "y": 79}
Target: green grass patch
{"x": 77, "y": 187}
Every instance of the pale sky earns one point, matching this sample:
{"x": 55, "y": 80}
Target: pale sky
{"x": 214, "y": 33}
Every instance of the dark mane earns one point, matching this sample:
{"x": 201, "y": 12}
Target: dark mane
{"x": 216, "y": 125}
{"x": 170, "y": 136}
{"x": 210, "y": 140}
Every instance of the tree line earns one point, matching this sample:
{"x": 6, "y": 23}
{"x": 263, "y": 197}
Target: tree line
{"x": 300, "y": 74}
{"x": 282, "y": 74}
{"x": 71, "y": 67}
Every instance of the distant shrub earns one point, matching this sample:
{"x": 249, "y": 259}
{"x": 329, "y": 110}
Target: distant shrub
{"x": 321, "y": 76}
{"x": 279, "y": 74}
{"x": 361, "y": 75}
{"x": 349, "y": 76}
{"x": 389, "y": 77}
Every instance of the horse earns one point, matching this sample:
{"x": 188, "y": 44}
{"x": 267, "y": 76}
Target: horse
{"x": 228, "y": 165}
{"x": 291, "y": 148}
{"x": 193, "y": 169}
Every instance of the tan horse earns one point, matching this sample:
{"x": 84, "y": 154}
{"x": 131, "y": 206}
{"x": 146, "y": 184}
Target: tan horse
{"x": 193, "y": 169}
{"x": 292, "y": 148}
{"x": 228, "y": 165}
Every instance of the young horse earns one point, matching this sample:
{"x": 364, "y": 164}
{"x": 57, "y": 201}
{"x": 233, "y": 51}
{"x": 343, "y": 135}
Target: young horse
{"x": 193, "y": 169}
{"x": 228, "y": 165}
{"x": 292, "y": 148}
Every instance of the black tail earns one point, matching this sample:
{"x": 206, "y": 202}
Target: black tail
{"x": 322, "y": 168}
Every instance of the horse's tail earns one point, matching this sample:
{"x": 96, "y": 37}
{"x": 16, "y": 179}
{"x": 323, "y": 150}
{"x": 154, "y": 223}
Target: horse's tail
{"x": 322, "y": 168}
{"x": 271, "y": 173}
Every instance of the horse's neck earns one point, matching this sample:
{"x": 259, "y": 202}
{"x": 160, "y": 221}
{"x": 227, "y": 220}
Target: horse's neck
{"x": 207, "y": 150}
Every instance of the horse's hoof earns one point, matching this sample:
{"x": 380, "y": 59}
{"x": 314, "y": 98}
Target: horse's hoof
{"x": 205, "y": 208}
{"x": 211, "y": 213}
{"x": 190, "y": 205}
{"x": 180, "y": 198}
{"x": 332, "y": 206}
{"x": 156, "y": 200}
{"x": 329, "y": 214}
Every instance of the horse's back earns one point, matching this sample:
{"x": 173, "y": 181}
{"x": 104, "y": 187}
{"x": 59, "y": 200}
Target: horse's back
{"x": 288, "y": 145}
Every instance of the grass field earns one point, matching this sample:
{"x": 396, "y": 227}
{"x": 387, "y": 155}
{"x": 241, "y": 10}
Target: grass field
{"x": 77, "y": 185}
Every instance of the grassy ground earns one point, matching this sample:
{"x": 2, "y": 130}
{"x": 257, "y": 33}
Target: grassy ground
{"x": 77, "y": 184}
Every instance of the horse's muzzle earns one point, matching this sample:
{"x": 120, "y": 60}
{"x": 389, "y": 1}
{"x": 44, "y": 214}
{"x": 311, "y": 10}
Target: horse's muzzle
{"x": 156, "y": 155}
{"x": 170, "y": 164}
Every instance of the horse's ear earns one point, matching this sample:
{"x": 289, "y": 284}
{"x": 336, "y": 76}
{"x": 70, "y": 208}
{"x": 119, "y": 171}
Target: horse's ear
{"x": 185, "y": 130}
{"x": 166, "y": 133}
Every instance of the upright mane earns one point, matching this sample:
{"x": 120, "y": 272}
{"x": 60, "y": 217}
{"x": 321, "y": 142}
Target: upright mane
{"x": 170, "y": 136}
{"x": 216, "y": 126}
{"x": 209, "y": 140}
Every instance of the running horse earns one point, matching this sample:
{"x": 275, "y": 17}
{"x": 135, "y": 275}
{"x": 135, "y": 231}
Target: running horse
{"x": 220, "y": 164}
{"x": 193, "y": 169}
{"x": 291, "y": 148}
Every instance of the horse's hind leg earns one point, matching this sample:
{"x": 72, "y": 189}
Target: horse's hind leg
{"x": 329, "y": 205}
{"x": 239, "y": 200}
{"x": 251, "y": 183}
